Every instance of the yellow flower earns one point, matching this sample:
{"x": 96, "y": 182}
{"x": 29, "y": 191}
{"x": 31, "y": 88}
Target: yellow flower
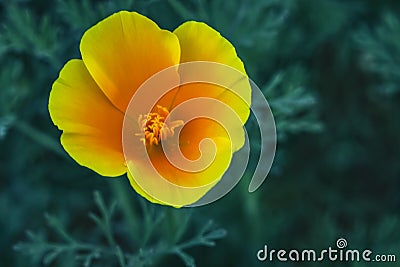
{"x": 89, "y": 101}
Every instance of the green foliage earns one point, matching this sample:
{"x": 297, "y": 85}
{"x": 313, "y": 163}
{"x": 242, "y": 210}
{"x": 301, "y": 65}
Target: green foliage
{"x": 41, "y": 249}
{"x": 293, "y": 105}
{"x": 330, "y": 71}
{"x": 380, "y": 48}
{"x": 40, "y": 42}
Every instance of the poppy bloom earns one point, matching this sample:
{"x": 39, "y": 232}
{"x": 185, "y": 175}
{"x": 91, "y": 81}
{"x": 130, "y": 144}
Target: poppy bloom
{"x": 90, "y": 99}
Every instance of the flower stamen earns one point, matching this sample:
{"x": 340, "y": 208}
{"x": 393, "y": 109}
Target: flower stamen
{"x": 155, "y": 128}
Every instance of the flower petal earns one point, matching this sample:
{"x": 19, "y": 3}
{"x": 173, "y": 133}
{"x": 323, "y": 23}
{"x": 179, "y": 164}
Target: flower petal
{"x": 199, "y": 42}
{"x": 123, "y": 51}
{"x": 92, "y": 126}
{"x": 168, "y": 185}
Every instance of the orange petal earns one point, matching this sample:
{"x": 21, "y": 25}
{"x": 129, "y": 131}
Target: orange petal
{"x": 165, "y": 184}
{"x": 91, "y": 125}
{"x": 124, "y": 50}
{"x": 224, "y": 80}
{"x": 200, "y": 42}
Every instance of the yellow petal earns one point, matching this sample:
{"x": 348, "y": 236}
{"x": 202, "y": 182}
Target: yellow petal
{"x": 91, "y": 125}
{"x": 199, "y": 42}
{"x": 123, "y": 51}
{"x": 165, "y": 184}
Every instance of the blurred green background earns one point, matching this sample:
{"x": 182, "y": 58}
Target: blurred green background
{"x": 331, "y": 73}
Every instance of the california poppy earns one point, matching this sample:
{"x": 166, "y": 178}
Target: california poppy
{"x": 89, "y": 102}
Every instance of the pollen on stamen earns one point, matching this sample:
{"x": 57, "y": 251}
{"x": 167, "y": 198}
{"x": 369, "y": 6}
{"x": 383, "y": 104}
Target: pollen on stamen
{"x": 155, "y": 128}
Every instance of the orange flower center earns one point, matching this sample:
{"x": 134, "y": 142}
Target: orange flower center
{"x": 155, "y": 128}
